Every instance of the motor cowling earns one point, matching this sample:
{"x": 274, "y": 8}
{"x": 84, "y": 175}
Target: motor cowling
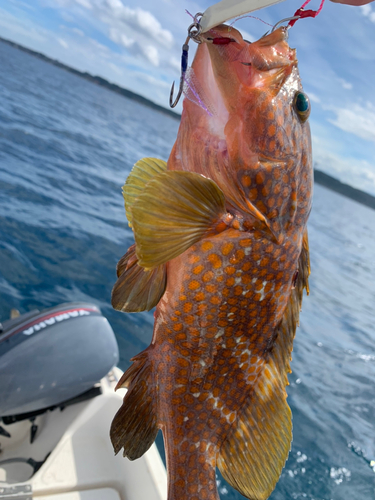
{"x": 52, "y": 356}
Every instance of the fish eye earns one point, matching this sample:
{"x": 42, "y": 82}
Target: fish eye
{"x": 302, "y": 106}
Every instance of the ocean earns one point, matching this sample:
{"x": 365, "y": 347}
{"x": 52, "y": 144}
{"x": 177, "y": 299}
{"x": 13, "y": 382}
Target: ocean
{"x": 66, "y": 148}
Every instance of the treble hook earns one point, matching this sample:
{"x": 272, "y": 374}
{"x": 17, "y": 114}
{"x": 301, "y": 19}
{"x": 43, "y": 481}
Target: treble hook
{"x": 184, "y": 66}
{"x": 194, "y": 31}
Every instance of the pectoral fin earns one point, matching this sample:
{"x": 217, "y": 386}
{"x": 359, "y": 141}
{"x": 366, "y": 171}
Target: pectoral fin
{"x": 174, "y": 211}
{"x": 142, "y": 172}
{"x": 137, "y": 289}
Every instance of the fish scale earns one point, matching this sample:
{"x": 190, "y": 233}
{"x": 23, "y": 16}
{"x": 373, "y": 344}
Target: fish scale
{"x": 221, "y": 249}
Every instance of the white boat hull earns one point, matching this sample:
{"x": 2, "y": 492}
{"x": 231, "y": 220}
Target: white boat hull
{"x": 81, "y": 464}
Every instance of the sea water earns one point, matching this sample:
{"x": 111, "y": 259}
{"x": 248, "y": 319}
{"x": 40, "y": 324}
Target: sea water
{"x": 66, "y": 148}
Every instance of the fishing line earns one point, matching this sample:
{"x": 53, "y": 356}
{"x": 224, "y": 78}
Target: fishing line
{"x": 300, "y": 13}
{"x": 253, "y": 17}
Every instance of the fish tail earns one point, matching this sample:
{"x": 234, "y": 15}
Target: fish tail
{"x": 135, "y": 425}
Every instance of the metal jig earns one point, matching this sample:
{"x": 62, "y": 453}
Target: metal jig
{"x": 194, "y": 30}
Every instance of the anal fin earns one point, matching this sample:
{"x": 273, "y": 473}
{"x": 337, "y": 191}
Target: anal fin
{"x": 137, "y": 289}
{"x": 135, "y": 426}
{"x": 253, "y": 455}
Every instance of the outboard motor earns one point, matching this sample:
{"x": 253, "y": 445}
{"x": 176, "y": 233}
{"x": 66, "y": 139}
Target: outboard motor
{"x": 53, "y": 357}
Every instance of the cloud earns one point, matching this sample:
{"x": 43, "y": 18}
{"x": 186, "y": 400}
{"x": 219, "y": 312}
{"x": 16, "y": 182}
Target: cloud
{"x": 16, "y": 29}
{"x": 135, "y": 29}
{"x": 151, "y": 54}
{"x": 175, "y": 63}
{"x": 77, "y": 31}
{"x": 143, "y": 20}
{"x": 24, "y": 5}
{"x": 313, "y": 97}
{"x": 349, "y": 169}
{"x": 358, "y": 120}
{"x": 121, "y": 38}
{"x": 345, "y": 85}
{"x": 368, "y": 12}
{"x": 118, "y": 16}
{"x": 63, "y": 43}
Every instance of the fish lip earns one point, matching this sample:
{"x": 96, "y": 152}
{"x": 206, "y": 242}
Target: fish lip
{"x": 218, "y": 39}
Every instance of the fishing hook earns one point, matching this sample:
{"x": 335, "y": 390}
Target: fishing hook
{"x": 194, "y": 30}
{"x": 284, "y": 21}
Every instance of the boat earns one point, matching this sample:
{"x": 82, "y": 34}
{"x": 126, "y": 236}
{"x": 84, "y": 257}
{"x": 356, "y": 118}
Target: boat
{"x": 57, "y": 400}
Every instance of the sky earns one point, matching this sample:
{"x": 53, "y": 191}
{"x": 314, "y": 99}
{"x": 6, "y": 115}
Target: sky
{"x": 137, "y": 45}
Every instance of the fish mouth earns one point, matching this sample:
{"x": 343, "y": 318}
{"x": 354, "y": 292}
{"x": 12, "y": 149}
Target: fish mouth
{"x": 258, "y": 64}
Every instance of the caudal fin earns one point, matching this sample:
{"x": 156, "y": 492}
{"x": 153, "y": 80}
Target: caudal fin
{"x": 135, "y": 426}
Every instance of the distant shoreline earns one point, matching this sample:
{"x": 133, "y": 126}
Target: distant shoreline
{"x": 98, "y": 80}
{"x": 350, "y": 192}
{"x": 319, "y": 176}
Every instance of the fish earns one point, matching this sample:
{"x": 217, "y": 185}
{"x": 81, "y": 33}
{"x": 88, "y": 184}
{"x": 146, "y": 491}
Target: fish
{"x": 221, "y": 249}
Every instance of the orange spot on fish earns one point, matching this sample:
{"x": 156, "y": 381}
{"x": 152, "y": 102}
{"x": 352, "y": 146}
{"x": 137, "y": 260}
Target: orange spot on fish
{"x": 220, "y": 227}
{"x": 187, "y": 307}
{"x": 260, "y": 177}
{"x": 240, "y": 254}
{"x": 277, "y": 174}
{"x": 268, "y": 287}
{"x": 199, "y": 296}
{"x": 208, "y": 276}
{"x": 246, "y": 180}
{"x": 227, "y": 248}
{"x": 194, "y": 258}
{"x": 182, "y": 362}
{"x": 271, "y": 130}
{"x": 246, "y": 279}
{"x": 246, "y": 243}
{"x": 206, "y": 246}
{"x": 198, "y": 269}
{"x": 230, "y": 270}
{"x": 180, "y": 336}
{"x": 253, "y": 194}
{"x": 194, "y": 285}
{"x": 215, "y": 260}
{"x": 236, "y": 224}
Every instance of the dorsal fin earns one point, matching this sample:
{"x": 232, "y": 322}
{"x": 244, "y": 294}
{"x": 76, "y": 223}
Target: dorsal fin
{"x": 253, "y": 455}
